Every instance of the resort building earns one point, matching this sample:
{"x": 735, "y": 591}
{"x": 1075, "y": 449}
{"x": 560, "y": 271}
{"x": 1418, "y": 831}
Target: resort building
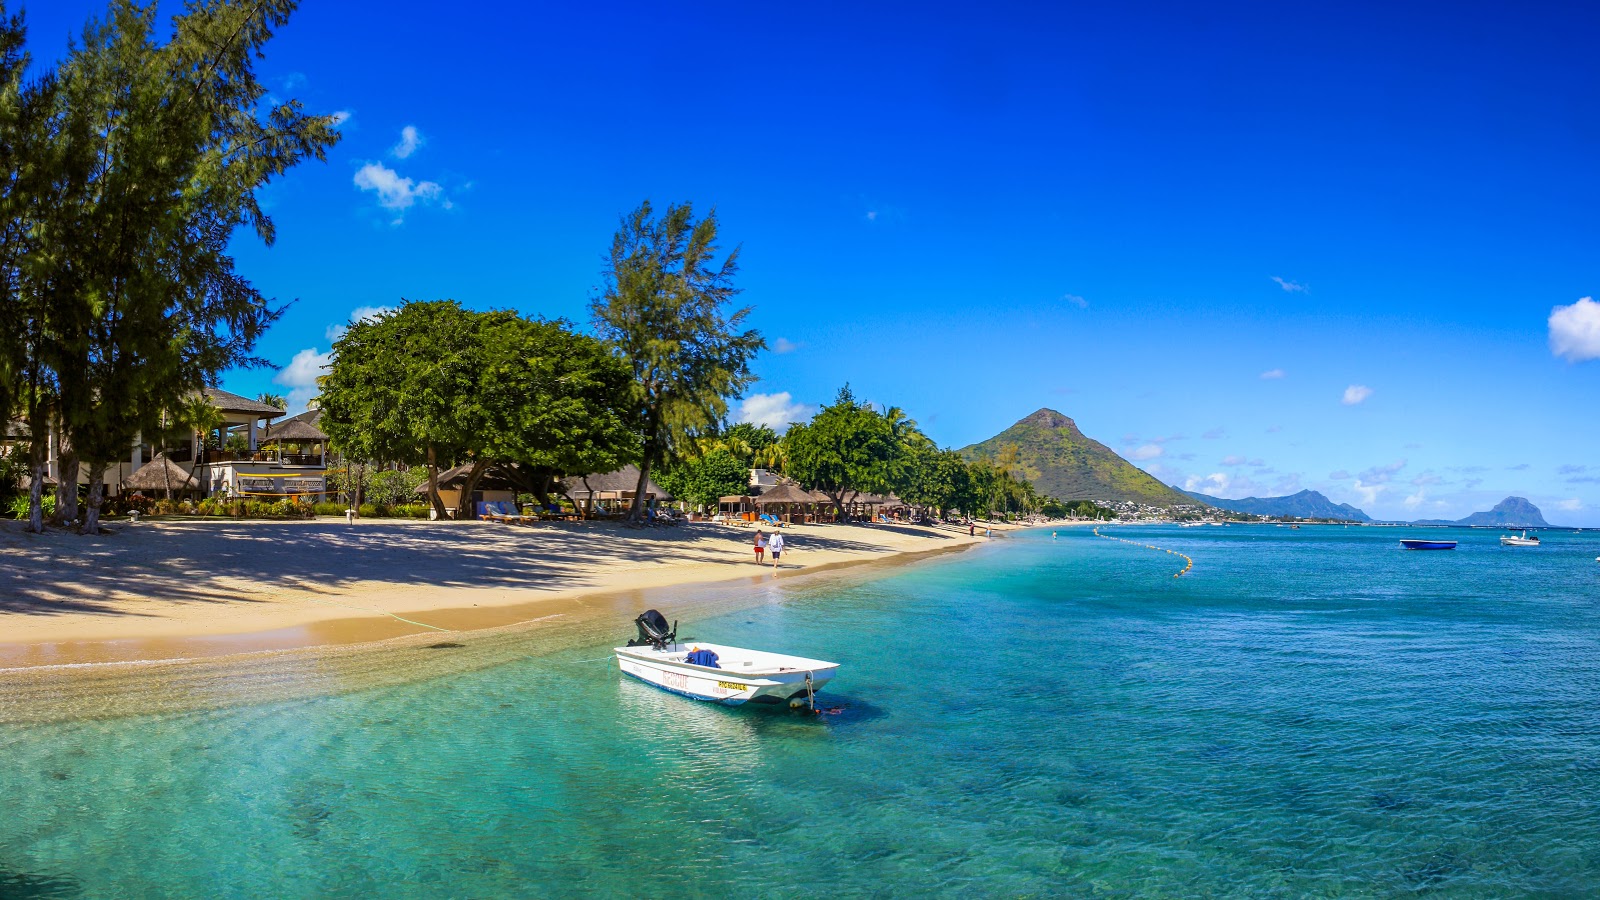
{"x": 246, "y": 456}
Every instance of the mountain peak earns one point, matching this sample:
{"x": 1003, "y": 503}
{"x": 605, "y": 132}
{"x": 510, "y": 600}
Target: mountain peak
{"x": 1064, "y": 463}
{"x": 1048, "y": 418}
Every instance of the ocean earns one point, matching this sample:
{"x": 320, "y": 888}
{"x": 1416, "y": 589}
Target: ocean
{"x": 1305, "y": 712}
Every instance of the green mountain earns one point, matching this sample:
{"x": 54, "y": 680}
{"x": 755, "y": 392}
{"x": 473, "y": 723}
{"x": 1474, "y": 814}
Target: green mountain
{"x": 1304, "y": 505}
{"x": 1063, "y": 463}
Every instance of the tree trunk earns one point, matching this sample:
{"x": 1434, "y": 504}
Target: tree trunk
{"x": 541, "y": 488}
{"x": 97, "y": 486}
{"x": 636, "y": 512}
{"x": 433, "y": 484}
{"x": 38, "y": 468}
{"x": 66, "y": 480}
{"x": 464, "y": 509}
{"x": 37, "y": 473}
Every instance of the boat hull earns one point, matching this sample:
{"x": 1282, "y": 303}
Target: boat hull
{"x": 1428, "y": 545}
{"x": 769, "y": 679}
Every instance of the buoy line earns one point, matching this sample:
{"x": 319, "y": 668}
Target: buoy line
{"x": 1188, "y": 561}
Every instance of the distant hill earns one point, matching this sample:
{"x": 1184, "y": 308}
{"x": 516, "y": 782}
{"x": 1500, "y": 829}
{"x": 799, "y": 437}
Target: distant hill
{"x": 1512, "y": 512}
{"x": 1062, "y": 463}
{"x": 1304, "y": 505}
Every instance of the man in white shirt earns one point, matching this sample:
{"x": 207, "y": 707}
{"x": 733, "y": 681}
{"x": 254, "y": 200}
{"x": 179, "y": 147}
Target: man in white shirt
{"x": 775, "y": 547}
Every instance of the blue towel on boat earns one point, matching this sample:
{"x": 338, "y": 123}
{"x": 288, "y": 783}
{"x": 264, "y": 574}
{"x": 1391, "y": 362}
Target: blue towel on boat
{"x": 702, "y": 657}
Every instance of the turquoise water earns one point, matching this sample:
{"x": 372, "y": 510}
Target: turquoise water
{"x": 1311, "y": 712}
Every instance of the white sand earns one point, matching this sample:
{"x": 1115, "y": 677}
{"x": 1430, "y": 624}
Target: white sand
{"x": 159, "y": 589}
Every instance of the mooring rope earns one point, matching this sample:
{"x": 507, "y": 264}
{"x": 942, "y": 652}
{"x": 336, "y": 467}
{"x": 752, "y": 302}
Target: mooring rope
{"x": 1189, "y": 562}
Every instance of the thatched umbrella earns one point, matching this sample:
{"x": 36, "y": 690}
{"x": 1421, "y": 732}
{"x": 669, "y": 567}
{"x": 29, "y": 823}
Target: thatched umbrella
{"x": 786, "y": 494}
{"x": 161, "y": 474}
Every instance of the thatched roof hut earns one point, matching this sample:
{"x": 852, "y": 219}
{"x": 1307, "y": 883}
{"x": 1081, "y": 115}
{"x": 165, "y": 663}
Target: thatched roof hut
{"x": 294, "y": 431}
{"x": 785, "y": 493}
{"x": 234, "y": 403}
{"x": 618, "y": 485}
{"x": 161, "y": 474}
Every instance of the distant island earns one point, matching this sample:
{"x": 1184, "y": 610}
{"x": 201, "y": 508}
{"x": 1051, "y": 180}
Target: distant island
{"x": 1512, "y": 512}
{"x": 1304, "y": 505}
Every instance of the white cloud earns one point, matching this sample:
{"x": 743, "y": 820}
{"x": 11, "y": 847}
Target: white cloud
{"x": 410, "y": 140}
{"x": 1415, "y": 500}
{"x": 1356, "y": 393}
{"x": 1148, "y": 451}
{"x": 1214, "y": 484}
{"x": 1571, "y": 504}
{"x": 1233, "y": 460}
{"x": 1271, "y": 374}
{"x": 784, "y": 345}
{"x": 395, "y": 192}
{"x": 1290, "y": 286}
{"x": 360, "y": 313}
{"x": 340, "y": 117}
{"x": 300, "y": 376}
{"x": 1575, "y": 330}
{"x": 1075, "y": 300}
{"x": 1369, "y": 492}
{"x": 775, "y": 411}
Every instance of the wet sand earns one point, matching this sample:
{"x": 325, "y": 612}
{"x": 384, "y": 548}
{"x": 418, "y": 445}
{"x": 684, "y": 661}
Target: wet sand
{"x": 195, "y": 590}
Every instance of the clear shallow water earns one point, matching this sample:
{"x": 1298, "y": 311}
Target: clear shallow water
{"x": 1310, "y": 712}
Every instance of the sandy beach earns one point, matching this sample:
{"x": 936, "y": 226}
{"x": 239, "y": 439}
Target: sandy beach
{"x": 164, "y": 590}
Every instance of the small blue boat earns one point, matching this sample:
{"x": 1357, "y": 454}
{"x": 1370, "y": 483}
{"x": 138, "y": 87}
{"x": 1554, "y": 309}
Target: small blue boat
{"x": 1415, "y": 544}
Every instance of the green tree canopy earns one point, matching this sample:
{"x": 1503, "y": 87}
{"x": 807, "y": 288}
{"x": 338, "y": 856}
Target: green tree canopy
{"x": 144, "y": 163}
{"x": 845, "y": 449}
{"x": 433, "y": 384}
{"x": 665, "y": 309}
{"x": 704, "y": 480}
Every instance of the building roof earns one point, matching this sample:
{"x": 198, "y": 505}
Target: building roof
{"x": 492, "y": 479}
{"x": 623, "y": 480}
{"x": 312, "y": 417}
{"x": 295, "y": 429}
{"x": 160, "y": 474}
{"x": 227, "y": 402}
{"x": 787, "y": 492}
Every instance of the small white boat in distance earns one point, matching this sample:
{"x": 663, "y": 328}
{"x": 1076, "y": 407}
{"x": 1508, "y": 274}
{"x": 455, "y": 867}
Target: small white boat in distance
{"x": 732, "y": 676}
{"x": 1511, "y": 540}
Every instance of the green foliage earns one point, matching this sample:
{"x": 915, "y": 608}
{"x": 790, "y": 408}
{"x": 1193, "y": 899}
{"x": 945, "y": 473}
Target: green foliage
{"x": 434, "y": 383}
{"x": 939, "y": 479}
{"x": 391, "y": 487}
{"x": 19, "y": 505}
{"x": 143, "y": 159}
{"x": 329, "y": 509}
{"x": 702, "y": 481}
{"x": 847, "y": 447}
{"x": 663, "y": 308}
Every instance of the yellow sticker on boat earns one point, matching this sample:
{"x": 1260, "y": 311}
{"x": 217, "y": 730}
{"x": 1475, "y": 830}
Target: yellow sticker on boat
{"x": 732, "y": 686}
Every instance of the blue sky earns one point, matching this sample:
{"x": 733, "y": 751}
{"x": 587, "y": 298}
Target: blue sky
{"x": 1254, "y": 248}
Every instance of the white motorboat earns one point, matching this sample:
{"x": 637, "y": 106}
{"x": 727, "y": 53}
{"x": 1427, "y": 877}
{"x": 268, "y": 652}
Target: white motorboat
{"x": 717, "y": 672}
{"x": 1511, "y": 540}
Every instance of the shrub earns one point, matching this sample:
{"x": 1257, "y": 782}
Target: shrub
{"x": 368, "y": 510}
{"x": 328, "y": 508}
{"x": 19, "y": 505}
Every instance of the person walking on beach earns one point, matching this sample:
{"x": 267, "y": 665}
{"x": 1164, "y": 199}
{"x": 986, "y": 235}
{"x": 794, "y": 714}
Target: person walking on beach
{"x": 761, "y": 545}
{"x": 776, "y": 546}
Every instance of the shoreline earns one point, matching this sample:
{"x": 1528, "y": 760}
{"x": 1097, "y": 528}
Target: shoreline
{"x": 559, "y": 572}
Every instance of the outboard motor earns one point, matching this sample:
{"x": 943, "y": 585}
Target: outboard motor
{"x": 653, "y": 631}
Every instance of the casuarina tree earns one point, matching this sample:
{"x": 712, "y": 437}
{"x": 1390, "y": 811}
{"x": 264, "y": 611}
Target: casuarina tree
{"x": 667, "y": 309}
